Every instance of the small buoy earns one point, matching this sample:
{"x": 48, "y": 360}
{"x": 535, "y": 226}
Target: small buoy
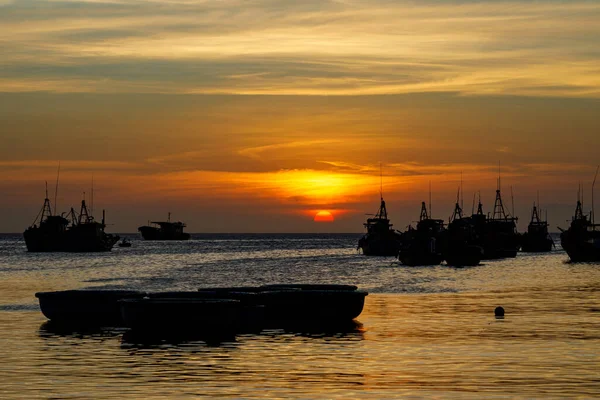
{"x": 499, "y": 312}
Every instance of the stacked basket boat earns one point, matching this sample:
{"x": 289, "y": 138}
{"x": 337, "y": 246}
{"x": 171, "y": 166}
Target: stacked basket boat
{"x": 208, "y": 310}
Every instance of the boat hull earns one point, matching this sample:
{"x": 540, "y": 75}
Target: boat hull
{"x": 380, "y": 245}
{"x": 311, "y": 306}
{"x": 536, "y": 244}
{"x": 152, "y": 233}
{"x": 581, "y": 249}
{"x": 38, "y": 241}
{"x": 86, "y": 307}
{"x": 181, "y": 315}
{"x": 465, "y": 256}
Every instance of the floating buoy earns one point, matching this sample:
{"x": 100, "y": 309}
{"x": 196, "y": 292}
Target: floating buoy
{"x": 499, "y": 312}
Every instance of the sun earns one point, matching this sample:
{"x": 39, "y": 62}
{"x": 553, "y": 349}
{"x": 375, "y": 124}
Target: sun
{"x": 323, "y": 216}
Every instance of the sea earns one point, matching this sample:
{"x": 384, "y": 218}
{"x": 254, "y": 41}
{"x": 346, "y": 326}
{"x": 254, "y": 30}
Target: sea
{"x": 425, "y": 332}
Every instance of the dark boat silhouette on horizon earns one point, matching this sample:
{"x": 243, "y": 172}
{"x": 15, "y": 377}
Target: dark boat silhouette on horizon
{"x": 459, "y": 240}
{"x": 581, "y": 240}
{"x": 73, "y": 233}
{"x": 536, "y": 239}
{"x": 497, "y": 234}
{"x": 164, "y": 230}
{"x": 421, "y": 245}
{"x": 381, "y": 239}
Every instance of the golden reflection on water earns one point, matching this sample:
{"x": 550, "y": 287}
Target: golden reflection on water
{"x": 424, "y": 345}
{"x": 436, "y": 337}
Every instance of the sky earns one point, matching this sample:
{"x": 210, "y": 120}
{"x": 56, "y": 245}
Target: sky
{"x": 253, "y": 116}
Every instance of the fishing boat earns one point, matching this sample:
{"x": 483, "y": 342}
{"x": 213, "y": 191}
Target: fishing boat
{"x": 497, "y": 234}
{"x": 582, "y": 240}
{"x": 459, "y": 241}
{"x": 71, "y": 233}
{"x": 164, "y": 230}
{"x": 420, "y": 245}
{"x": 380, "y": 239}
{"x": 537, "y": 238}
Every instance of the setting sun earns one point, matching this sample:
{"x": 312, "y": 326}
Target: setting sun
{"x": 323, "y": 216}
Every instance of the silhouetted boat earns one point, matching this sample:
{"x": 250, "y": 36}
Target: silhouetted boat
{"x": 86, "y": 307}
{"x": 459, "y": 241}
{"x": 582, "y": 240}
{"x": 420, "y": 245}
{"x": 537, "y": 238}
{"x": 497, "y": 234}
{"x": 299, "y": 303}
{"x": 381, "y": 239}
{"x": 208, "y": 310}
{"x": 55, "y": 234}
{"x": 164, "y": 230}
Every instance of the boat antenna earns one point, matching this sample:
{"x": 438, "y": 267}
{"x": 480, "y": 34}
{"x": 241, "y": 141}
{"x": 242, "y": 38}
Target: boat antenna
{"x": 594, "y": 183}
{"x": 92, "y": 197}
{"x": 473, "y": 206}
{"x": 380, "y": 181}
{"x": 498, "y": 174}
{"x": 47, "y": 202}
{"x": 55, "y": 189}
{"x": 512, "y": 199}
{"x": 462, "y": 197}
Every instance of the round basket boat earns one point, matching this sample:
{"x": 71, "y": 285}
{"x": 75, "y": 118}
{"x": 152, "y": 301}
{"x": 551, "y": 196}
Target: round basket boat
{"x": 252, "y": 312}
{"x": 313, "y": 305}
{"x": 178, "y": 315}
{"x": 98, "y": 307}
{"x": 308, "y": 286}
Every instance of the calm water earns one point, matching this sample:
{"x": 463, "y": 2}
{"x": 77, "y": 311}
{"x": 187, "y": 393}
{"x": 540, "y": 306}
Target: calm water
{"x": 425, "y": 332}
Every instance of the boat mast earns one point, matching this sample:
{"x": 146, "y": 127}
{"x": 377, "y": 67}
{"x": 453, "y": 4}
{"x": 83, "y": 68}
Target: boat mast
{"x": 92, "y": 197}
{"x": 534, "y": 215}
{"x": 84, "y": 212}
{"x": 594, "y": 183}
{"x": 381, "y": 181}
{"x": 382, "y": 213}
{"x": 512, "y": 199}
{"x": 480, "y": 206}
{"x": 56, "y": 188}
{"x": 498, "y": 206}
{"x": 457, "y": 208}
{"x": 579, "y": 208}
{"x": 423, "y": 212}
{"x": 46, "y": 210}
{"x": 462, "y": 196}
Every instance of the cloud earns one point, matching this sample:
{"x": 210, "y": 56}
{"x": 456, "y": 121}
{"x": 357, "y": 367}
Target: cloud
{"x": 546, "y": 48}
{"x": 71, "y": 164}
{"x": 258, "y": 151}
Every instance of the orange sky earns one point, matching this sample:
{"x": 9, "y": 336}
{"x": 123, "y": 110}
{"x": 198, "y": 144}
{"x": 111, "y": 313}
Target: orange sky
{"x": 244, "y": 117}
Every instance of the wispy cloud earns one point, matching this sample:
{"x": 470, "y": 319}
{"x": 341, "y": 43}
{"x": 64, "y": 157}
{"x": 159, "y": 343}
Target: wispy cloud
{"x": 258, "y": 152}
{"x": 547, "y": 48}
